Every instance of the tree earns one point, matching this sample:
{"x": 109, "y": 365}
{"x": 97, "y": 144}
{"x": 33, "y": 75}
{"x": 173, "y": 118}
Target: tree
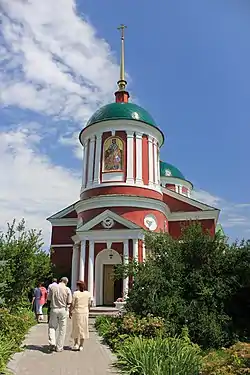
{"x": 25, "y": 263}
{"x": 194, "y": 281}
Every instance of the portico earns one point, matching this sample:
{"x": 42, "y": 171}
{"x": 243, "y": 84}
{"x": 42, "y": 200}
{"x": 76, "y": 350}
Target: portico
{"x": 96, "y": 252}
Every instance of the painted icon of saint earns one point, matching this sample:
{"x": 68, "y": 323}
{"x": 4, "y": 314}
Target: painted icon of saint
{"x": 113, "y": 154}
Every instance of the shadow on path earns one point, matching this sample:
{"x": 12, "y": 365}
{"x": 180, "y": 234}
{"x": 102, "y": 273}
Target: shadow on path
{"x": 43, "y": 348}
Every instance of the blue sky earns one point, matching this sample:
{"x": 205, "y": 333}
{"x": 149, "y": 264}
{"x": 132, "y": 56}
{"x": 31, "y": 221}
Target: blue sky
{"x": 187, "y": 64}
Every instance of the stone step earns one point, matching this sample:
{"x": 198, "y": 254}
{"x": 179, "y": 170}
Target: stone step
{"x": 102, "y": 310}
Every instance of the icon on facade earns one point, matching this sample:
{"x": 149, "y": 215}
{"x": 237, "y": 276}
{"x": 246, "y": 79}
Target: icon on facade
{"x": 150, "y": 222}
{"x": 113, "y": 152}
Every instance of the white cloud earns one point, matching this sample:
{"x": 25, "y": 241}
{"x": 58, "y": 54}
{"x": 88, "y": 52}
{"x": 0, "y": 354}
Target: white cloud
{"x": 233, "y": 215}
{"x": 32, "y": 187}
{"x": 52, "y": 61}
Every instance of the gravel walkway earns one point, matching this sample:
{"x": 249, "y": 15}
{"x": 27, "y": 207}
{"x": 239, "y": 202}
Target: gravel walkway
{"x": 95, "y": 359}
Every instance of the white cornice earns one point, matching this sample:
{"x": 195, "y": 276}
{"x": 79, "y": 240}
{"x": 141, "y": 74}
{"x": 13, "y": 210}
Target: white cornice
{"x": 197, "y": 215}
{"x": 108, "y": 201}
{"x": 63, "y": 245}
{"x": 122, "y": 125}
{"x": 104, "y": 215}
{"x": 113, "y": 235}
{"x": 61, "y": 222}
{"x": 153, "y": 187}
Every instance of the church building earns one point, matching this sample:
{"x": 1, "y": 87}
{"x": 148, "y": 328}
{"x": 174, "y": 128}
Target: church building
{"x": 126, "y": 190}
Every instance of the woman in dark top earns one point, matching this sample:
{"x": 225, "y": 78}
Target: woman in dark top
{"x": 36, "y": 300}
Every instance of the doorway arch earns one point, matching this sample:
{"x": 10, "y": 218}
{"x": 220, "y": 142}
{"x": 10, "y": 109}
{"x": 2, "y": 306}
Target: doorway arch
{"x": 103, "y": 258}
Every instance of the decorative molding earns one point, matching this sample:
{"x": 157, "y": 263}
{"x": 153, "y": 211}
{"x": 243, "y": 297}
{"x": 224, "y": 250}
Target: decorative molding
{"x": 107, "y": 215}
{"x": 175, "y": 181}
{"x": 197, "y": 215}
{"x": 123, "y": 125}
{"x": 64, "y": 245}
{"x": 153, "y": 187}
{"x": 109, "y": 201}
{"x": 65, "y": 211}
{"x": 115, "y": 235}
{"x": 63, "y": 222}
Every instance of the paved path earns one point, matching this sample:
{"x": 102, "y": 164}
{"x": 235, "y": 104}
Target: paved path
{"x": 95, "y": 359}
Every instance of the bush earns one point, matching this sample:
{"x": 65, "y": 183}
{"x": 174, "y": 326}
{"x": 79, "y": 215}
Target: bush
{"x": 169, "y": 356}
{"x": 13, "y": 328}
{"x": 232, "y": 361}
{"x": 115, "y": 330}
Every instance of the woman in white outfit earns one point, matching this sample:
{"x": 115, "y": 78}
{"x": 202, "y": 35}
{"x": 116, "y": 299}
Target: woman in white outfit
{"x": 79, "y": 312}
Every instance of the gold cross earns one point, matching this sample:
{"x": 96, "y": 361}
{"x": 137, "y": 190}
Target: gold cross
{"x": 122, "y": 27}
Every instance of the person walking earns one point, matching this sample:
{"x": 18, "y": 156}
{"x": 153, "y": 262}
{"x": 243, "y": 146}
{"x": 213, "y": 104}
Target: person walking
{"x": 37, "y": 295}
{"x": 43, "y": 300}
{"x": 54, "y": 282}
{"x": 79, "y": 312}
{"x": 60, "y": 298}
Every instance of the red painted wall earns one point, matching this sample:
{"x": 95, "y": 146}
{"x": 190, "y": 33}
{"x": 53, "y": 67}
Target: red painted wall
{"x": 170, "y": 187}
{"x": 61, "y": 257}
{"x": 176, "y": 205}
{"x": 175, "y": 227}
{"x": 62, "y": 235}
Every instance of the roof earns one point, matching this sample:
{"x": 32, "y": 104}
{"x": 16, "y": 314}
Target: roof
{"x": 117, "y": 111}
{"x": 169, "y": 170}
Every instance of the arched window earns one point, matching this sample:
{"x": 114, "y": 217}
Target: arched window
{"x": 113, "y": 154}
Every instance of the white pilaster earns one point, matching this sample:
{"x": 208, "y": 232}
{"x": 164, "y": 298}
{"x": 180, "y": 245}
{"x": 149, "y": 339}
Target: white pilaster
{"x": 135, "y": 250}
{"x": 91, "y": 270}
{"x": 130, "y": 157}
{"x": 156, "y": 169}
{"x": 85, "y": 156}
{"x": 98, "y": 149}
{"x": 74, "y": 267}
{"x": 91, "y": 161}
{"x": 138, "y": 158}
{"x": 150, "y": 161}
{"x": 82, "y": 260}
{"x": 143, "y": 251}
{"x": 125, "y": 261}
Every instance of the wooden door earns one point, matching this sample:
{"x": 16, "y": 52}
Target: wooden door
{"x": 108, "y": 284}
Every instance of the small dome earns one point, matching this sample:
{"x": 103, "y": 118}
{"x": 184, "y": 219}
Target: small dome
{"x": 118, "y": 111}
{"x": 169, "y": 170}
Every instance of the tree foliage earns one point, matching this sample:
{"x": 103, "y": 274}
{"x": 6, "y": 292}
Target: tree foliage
{"x": 24, "y": 263}
{"x": 198, "y": 281}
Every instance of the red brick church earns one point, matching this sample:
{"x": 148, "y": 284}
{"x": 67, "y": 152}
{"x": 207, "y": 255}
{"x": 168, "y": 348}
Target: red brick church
{"x": 126, "y": 189}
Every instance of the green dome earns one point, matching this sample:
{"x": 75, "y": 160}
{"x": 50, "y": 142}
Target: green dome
{"x": 118, "y": 111}
{"x": 169, "y": 170}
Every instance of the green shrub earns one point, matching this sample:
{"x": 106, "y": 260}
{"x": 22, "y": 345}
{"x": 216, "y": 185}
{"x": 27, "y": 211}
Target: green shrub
{"x": 13, "y": 328}
{"x": 115, "y": 330}
{"x": 169, "y": 356}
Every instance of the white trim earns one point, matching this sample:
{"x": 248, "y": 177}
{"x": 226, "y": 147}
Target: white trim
{"x": 91, "y": 269}
{"x": 150, "y": 161}
{"x": 157, "y": 188}
{"x": 84, "y": 166}
{"x": 122, "y": 125}
{"x": 130, "y": 157}
{"x": 175, "y": 181}
{"x": 135, "y": 249}
{"x": 125, "y": 262}
{"x": 143, "y": 251}
{"x": 114, "y": 235}
{"x": 138, "y": 140}
{"x": 156, "y": 177}
{"x": 109, "y": 201}
{"x": 82, "y": 260}
{"x": 64, "y": 245}
{"x": 104, "y": 215}
{"x": 65, "y": 211}
{"x": 197, "y": 215}
{"x": 91, "y": 161}
{"x": 74, "y": 267}
{"x": 63, "y": 222}
{"x": 98, "y": 149}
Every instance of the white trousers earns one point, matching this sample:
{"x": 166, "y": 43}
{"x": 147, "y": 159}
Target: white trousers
{"x": 57, "y": 320}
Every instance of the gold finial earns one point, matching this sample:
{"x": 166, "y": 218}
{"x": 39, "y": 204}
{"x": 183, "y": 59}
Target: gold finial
{"x": 122, "y": 83}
